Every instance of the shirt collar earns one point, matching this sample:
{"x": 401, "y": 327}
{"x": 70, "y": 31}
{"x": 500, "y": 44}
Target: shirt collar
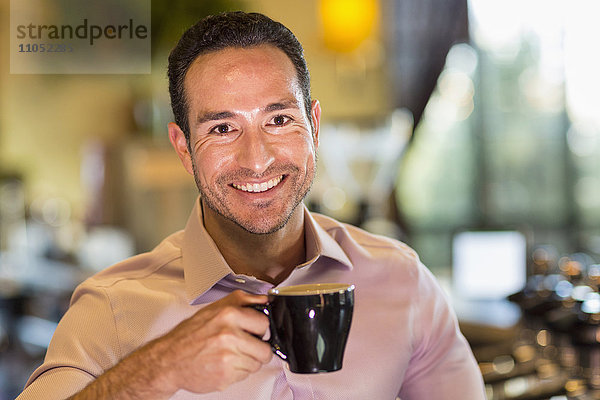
{"x": 204, "y": 265}
{"x": 320, "y": 244}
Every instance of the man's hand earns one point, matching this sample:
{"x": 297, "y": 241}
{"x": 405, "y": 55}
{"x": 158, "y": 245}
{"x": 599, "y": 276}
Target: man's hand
{"x": 217, "y": 346}
{"x": 211, "y": 350}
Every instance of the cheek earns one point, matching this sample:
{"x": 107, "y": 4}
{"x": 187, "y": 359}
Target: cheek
{"x": 210, "y": 162}
{"x": 300, "y": 149}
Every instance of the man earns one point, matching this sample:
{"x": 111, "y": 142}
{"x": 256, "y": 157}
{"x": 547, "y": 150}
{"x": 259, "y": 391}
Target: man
{"x": 174, "y": 323}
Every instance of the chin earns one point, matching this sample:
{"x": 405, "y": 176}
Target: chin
{"x": 262, "y": 227}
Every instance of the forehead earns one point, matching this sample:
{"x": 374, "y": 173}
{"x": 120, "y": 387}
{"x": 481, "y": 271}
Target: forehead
{"x": 240, "y": 72}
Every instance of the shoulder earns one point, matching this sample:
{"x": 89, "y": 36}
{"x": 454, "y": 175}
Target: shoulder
{"x": 357, "y": 242}
{"x": 159, "y": 262}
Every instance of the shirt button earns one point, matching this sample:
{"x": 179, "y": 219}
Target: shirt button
{"x": 240, "y": 280}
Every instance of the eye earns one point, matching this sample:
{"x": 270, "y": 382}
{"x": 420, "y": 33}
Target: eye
{"x": 221, "y": 129}
{"x": 280, "y": 120}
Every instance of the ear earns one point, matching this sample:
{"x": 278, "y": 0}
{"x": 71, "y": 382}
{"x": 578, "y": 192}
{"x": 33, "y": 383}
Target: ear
{"x": 315, "y": 112}
{"x": 177, "y": 138}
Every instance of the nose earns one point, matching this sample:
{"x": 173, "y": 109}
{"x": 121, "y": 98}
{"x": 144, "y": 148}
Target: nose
{"x": 255, "y": 151}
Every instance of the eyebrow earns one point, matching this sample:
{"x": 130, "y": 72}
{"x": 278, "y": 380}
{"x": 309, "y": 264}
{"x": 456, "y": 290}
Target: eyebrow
{"x": 219, "y": 115}
{"x": 213, "y": 116}
{"x": 282, "y": 105}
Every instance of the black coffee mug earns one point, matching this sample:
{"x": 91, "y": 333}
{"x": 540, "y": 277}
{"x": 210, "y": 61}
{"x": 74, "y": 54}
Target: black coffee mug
{"x": 309, "y": 325}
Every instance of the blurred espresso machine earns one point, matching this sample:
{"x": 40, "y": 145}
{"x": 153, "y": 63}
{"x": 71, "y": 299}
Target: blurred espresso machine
{"x": 555, "y": 354}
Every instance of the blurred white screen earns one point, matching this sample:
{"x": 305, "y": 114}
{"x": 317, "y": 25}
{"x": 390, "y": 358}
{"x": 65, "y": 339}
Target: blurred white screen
{"x": 488, "y": 264}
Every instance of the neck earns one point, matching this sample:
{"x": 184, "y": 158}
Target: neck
{"x": 270, "y": 257}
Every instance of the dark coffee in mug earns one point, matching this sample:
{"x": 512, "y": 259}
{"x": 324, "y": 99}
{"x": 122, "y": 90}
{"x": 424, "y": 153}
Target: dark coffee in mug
{"x": 309, "y": 325}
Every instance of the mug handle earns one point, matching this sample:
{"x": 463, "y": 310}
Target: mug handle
{"x": 275, "y": 347}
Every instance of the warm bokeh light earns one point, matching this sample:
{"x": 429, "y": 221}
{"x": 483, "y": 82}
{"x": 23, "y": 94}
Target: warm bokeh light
{"x": 347, "y": 23}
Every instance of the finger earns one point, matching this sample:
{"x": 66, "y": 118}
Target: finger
{"x": 242, "y": 315}
{"x": 240, "y": 370}
{"x": 242, "y": 318}
{"x": 239, "y": 297}
{"x": 236, "y": 343}
{"x": 248, "y": 365}
{"x": 254, "y": 348}
{"x": 231, "y": 367}
{"x": 254, "y": 321}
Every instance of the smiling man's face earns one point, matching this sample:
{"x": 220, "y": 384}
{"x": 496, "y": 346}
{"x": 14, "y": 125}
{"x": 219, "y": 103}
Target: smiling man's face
{"x": 252, "y": 147}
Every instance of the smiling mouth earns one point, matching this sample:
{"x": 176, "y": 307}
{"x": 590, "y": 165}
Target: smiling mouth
{"x": 259, "y": 187}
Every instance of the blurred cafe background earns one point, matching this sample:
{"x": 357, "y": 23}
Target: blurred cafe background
{"x": 469, "y": 129}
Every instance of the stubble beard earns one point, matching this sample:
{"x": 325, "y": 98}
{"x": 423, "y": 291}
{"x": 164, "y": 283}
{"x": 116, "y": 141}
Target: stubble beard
{"x": 220, "y": 204}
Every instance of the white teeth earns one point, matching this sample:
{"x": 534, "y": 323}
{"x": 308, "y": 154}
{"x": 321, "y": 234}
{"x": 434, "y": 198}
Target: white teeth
{"x": 259, "y": 187}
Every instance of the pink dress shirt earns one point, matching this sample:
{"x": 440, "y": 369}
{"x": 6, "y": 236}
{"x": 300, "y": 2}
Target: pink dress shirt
{"x": 404, "y": 340}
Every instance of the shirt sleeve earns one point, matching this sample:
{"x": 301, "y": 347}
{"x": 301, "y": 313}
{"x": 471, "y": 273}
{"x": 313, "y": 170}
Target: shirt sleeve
{"x": 84, "y": 345}
{"x": 442, "y": 365}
